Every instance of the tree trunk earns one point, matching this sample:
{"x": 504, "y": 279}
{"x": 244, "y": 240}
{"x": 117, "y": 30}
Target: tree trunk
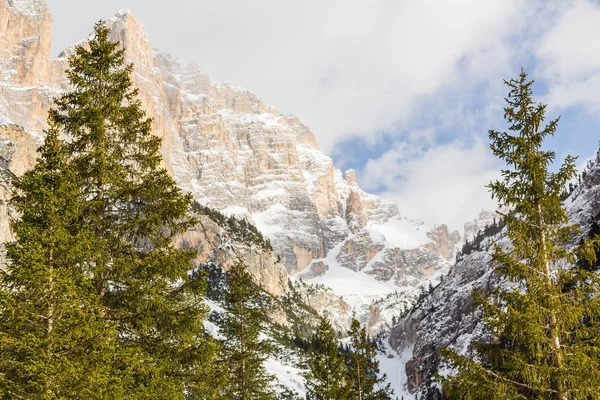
{"x": 50, "y": 316}
{"x": 358, "y": 385}
{"x": 555, "y": 339}
{"x": 242, "y": 351}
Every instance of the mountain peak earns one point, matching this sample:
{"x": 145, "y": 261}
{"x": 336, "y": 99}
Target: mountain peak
{"x": 351, "y": 177}
{"x": 129, "y": 30}
{"x": 126, "y": 16}
{"x": 123, "y": 12}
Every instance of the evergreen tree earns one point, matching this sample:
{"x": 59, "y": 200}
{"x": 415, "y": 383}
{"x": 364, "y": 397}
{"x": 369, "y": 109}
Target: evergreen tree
{"x": 134, "y": 210}
{"x": 544, "y": 327}
{"x": 327, "y": 377}
{"x": 243, "y": 350}
{"x": 54, "y": 342}
{"x": 363, "y": 367}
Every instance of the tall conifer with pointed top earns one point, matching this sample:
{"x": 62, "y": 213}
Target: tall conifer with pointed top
{"x": 327, "y": 378}
{"x": 363, "y": 367}
{"x": 134, "y": 209}
{"x": 54, "y": 341}
{"x": 544, "y": 326}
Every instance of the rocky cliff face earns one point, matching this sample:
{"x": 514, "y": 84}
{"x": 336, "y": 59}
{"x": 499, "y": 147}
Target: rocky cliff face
{"x": 234, "y": 153}
{"x": 446, "y": 317}
{"x": 28, "y": 78}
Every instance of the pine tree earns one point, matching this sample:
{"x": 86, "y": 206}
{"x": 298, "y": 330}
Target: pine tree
{"x": 544, "y": 327}
{"x": 54, "y": 342}
{"x": 134, "y": 209}
{"x": 243, "y": 351}
{"x": 363, "y": 367}
{"x": 327, "y": 377}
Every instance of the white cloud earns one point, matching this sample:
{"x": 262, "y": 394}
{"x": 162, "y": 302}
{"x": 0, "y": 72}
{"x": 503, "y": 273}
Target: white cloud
{"x": 443, "y": 184}
{"x": 569, "y": 57}
{"x": 357, "y": 68}
{"x": 347, "y": 68}
{"x": 571, "y": 47}
{"x": 582, "y": 93}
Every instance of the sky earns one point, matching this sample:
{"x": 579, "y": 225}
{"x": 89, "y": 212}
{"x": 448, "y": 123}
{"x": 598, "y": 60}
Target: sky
{"x": 403, "y": 91}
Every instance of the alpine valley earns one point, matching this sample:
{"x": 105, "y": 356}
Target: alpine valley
{"x": 321, "y": 245}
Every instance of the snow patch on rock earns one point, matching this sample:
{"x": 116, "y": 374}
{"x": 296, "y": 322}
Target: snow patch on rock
{"x": 28, "y": 7}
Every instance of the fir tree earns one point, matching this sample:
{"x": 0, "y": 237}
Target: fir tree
{"x": 243, "y": 350}
{"x": 544, "y": 327}
{"x": 363, "y": 367}
{"x": 327, "y": 377}
{"x": 54, "y": 342}
{"x": 134, "y": 209}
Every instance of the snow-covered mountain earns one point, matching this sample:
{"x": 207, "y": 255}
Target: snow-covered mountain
{"x": 236, "y": 154}
{"x": 345, "y": 249}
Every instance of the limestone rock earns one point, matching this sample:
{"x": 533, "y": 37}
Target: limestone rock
{"x": 17, "y": 149}
{"x": 214, "y": 245}
{"x": 25, "y": 38}
{"x": 326, "y": 303}
{"x": 358, "y": 251}
{"x": 351, "y": 177}
{"x": 316, "y": 269}
{"x": 443, "y": 242}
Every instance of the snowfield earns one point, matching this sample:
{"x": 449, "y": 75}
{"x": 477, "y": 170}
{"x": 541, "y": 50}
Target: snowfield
{"x": 357, "y": 289}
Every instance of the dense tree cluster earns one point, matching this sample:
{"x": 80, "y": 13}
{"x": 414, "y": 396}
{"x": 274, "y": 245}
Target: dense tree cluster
{"x": 338, "y": 372}
{"x": 96, "y": 301}
{"x": 243, "y": 350}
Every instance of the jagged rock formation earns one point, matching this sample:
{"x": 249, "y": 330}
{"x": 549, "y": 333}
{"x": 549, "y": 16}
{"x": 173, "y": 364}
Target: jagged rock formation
{"x": 471, "y": 228}
{"x": 446, "y": 317}
{"x": 234, "y": 153}
{"x": 442, "y": 241}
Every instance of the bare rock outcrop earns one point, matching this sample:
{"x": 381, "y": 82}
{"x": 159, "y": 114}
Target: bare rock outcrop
{"x": 443, "y": 242}
{"x": 356, "y": 252}
{"x": 215, "y": 245}
{"x": 316, "y": 269}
